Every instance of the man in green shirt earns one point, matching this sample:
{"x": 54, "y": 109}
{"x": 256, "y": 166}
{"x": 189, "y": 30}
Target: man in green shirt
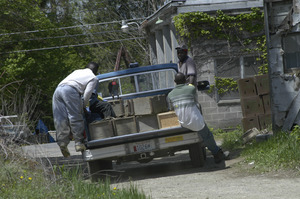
{"x": 183, "y": 100}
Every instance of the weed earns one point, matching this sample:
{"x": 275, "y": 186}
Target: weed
{"x": 26, "y": 178}
{"x": 231, "y": 140}
{"x": 279, "y": 152}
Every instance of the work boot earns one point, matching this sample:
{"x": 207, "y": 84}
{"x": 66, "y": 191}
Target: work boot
{"x": 65, "y": 151}
{"x": 219, "y": 156}
{"x": 79, "y": 147}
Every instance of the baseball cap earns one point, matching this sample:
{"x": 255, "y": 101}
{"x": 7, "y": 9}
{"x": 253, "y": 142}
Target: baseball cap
{"x": 182, "y": 47}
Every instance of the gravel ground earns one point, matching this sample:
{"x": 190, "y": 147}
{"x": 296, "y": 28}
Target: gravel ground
{"x": 176, "y": 178}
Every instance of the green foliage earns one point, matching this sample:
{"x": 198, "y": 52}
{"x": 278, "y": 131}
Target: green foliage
{"x": 231, "y": 140}
{"x": 279, "y": 152}
{"x": 198, "y": 24}
{"x": 223, "y": 85}
{"x": 26, "y": 178}
{"x": 29, "y": 28}
{"x": 247, "y": 29}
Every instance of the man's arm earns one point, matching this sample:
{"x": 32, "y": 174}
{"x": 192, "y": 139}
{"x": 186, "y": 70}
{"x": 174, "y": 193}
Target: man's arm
{"x": 191, "y": 79}
{"x": 88, "y": 91}
{"x": 191, "y": 72}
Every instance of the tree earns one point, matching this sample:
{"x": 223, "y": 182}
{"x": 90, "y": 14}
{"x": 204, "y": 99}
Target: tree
{"x": 42, "y": 41}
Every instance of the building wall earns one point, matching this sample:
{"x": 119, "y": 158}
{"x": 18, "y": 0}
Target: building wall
{"x": 217, "y": 113}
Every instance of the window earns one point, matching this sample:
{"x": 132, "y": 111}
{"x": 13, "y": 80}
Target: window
{"x": 291, "y": 47}
{"x": 139, "y": 83}
{"x": 235, "y": 68}
{"x": 164, "y": 79}
{"x": 145, "y": 82}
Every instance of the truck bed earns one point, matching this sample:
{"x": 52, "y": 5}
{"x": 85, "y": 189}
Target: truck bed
{"x": 135, "y": 137}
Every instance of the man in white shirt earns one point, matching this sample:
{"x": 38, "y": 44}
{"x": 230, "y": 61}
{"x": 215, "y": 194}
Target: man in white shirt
{"x": 69, "y": 99}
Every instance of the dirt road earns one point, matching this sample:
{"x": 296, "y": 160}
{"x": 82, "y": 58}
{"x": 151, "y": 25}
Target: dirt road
{"x": 175, "y": 178}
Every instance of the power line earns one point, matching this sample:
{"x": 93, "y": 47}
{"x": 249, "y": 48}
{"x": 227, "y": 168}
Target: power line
{"x": 68, "y": 46}
{"x": 64, "y": 36}
{"x": 68, "y": 27}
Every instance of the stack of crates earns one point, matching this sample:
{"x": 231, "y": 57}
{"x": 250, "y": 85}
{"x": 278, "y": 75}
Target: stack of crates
{"x": 146, "y": 110}
{"x": 133, "y": 116}
{"x": 255, "y": 102}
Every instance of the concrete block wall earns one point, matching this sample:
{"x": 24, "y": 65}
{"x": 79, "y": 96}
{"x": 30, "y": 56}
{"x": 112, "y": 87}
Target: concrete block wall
{"x": 217, "y": 114}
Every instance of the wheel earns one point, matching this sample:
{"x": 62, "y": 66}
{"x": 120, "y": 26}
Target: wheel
{"x": 99, "y": 169}
{"x": 197, "y": 154}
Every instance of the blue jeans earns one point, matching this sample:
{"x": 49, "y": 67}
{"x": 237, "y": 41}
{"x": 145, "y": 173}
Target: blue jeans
{"x": 67, "y": 114}
{"x": 209, "y": 140}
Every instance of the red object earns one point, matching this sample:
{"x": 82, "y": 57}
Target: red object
{"x": 114, "y": 83}
{"x": 84, "y": 134}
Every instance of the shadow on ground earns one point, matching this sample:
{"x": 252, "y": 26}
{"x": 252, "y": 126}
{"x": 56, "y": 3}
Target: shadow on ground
{"x": 169, "y": 166}
{"x": 180, "y": 164}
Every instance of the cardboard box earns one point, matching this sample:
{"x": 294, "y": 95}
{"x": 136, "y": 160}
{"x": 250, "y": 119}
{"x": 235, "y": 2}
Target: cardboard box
{"x": 252, "y": 106}
{"x": 167, "y": 120}
{"x": 265, "y": 121}
{"x": 101, "y": 129}
{"x": 147, "y": 122}
{"x": 262, "y": 84}
{"x": 150, "y": 105}
{"x": 125, "y": 125}
{"x": 247, "y": 87}
{"x": 266, "y": 103}
{"x": 118, "y": 107}
{"x": 250, "y": 122}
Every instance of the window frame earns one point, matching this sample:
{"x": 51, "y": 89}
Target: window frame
{"x": 135, "y": 76}
{"x": 241, "y": 75}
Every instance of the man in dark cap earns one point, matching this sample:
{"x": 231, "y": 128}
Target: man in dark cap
{"x": 183, "y": 100}
{"x": 186, "y": 65}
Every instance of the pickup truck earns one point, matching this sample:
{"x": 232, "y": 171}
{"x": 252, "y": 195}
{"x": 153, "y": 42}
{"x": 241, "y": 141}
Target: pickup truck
{"x": 144, "y": 128}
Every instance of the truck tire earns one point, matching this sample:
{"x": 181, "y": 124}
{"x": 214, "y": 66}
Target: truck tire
{"x": 197, "y": 154}
{"x": 99, "y": 169}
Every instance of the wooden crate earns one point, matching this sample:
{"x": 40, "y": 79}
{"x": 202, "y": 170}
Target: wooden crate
{"x": 167, "y": 119}
{"x": 262, "y": 84}
{"x": 128, "y": 107}
{"x": 247, "y": 87}
{"x": 150, "y": 105}
{"x": 266, "y": 103}
{"x": 250, "y": 122}
{"x": 101, "y": 129}
{"x": 252, "y": 106}
{"x": 125, "y": 125}
{"x": 147, "y": 122}
{"x": 118, "y": 107}
{"x": 265, "y": 120}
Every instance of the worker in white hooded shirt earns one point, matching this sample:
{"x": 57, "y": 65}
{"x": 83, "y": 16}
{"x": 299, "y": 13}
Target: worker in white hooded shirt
{"x": 69, "y": 99}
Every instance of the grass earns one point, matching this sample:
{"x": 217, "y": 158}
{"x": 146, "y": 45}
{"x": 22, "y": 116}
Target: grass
{"x": 27, "y": 178}
{"x": 231, "y": 140}
{"x": 280, "y": 152}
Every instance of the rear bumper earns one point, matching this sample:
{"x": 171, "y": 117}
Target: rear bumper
{"x": 137, "y": 145}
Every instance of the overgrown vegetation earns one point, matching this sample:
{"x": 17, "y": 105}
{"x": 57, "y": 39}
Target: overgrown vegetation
{"x": 245, "y": 30}
{"x": 279, "y": 152}
{"x": 26, "y": 178}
